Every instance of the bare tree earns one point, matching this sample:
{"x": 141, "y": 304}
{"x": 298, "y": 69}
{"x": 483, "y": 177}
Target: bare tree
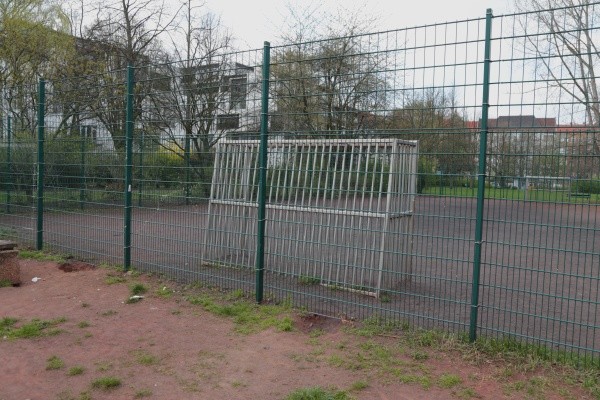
{"x": 209, "y": 91}
{"x": 568, "y": 51}
{"x": 326, "y": 86}
{"x": 124, "y": 32}
{"x": 436, "y": 121}
{"x": 199, "y": 72}
{"x": 132, "y": 28}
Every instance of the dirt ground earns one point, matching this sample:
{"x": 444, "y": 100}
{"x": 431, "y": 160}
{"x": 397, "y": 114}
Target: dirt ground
{"x": 164, "y": 347}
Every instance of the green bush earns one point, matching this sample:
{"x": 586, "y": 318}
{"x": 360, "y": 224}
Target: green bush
{"x": 426, "y": 173}
{"x": 585, "y": 186}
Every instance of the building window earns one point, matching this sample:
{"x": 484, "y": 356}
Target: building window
{"x": 238, "y": 92}
{"x": 88, "y": 132}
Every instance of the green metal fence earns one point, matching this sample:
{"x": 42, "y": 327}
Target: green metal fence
{"x": 442, "y": 176}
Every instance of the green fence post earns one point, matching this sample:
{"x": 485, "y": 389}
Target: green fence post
{"x": 9, "y": 176}
{"x": 82, "y": 170}
{"x": 262, "y": 177}
{"x": 128, "y": 169}
{"x": 39, "y": 244}
{"x": 481, "y": 178}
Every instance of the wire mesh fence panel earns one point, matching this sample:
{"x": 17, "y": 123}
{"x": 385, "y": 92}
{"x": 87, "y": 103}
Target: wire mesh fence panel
{"x": 84, "y": 166}
{"x": 18, "y": 148}
{"x": 185, "y": 109}
{"x": 420, "y": 84}
{"x": 540, "y": 278}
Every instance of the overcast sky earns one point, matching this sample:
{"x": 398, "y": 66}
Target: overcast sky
{"x": 253, "y": 22}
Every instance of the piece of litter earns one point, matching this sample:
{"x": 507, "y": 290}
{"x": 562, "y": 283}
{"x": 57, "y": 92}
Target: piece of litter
{"x": 35, "y": 279}
{"x": 134, "y": 299}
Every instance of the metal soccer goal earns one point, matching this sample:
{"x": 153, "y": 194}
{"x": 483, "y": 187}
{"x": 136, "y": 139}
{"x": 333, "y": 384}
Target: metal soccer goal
{"x": 339, "y": 211}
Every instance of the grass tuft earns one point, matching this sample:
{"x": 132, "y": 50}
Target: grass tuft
{"x": 5, "y": 283}
{"x": 317, "y": 393}
{"x": 449, "y": 381}
{"x": 249, "y": 317}
{"x": 53, "y": 363}
{"x": 145, "y": 358}
{"x": 137, "y": 289}
{"x": 33, "y": 329}
{"x": 106, "y": 383}
{"x": 308, "y": 280}
{"x": 40, "y": 256}
{"x": 76, "y": 370}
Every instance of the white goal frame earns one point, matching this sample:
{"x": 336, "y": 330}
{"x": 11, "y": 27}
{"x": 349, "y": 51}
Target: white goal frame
{"x": 339, "y": 211}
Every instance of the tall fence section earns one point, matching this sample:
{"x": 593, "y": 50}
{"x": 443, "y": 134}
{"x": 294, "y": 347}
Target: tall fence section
{"x": 446, "y": 176}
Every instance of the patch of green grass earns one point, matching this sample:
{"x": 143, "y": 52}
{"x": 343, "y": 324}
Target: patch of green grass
{"x": 40, "y": 256}
{"x": 34, "y": 328}
{"x": 358, "y": 386}
{"x": 419, "y": 356}
{"x": 412, "y": 378}
{"x": 236, "y": 294}
{"x": 114, "y": 279}
{"x": 285, "y": 324}
{"x": 76, "y": 370}
{"x": 249, "y": 317}
{"x": 449, "y": 381}
{"x": 317, "y": 393}
{"x": 377, "y": 326}
{"x": 140, "y": 394}
{"x": 54, "y": 362}
{"x": 137, "y": 289}
{"x": 67, "y": 395}
{"x": 108, "y": 313}
{"x": 83, "y": 324}
{"x": 7, "y": 323}
{"x": 425, "y": 338}
{"x": 308, "y": 280}
{"x": 145, "y": 358}
{"x": 5, "y": 283}
{"x": 106, "y": 383}
{"x": 164, "y": 292}
{"x": 467, "y": 393}
{"x": 85, "y": 396}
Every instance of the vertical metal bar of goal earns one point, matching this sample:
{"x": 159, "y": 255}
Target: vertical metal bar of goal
{"x": 481, "y": 179}
{"x": 128, "y": 169}
{"x": 262, "y": 177}
{"x": 39, "y": 242}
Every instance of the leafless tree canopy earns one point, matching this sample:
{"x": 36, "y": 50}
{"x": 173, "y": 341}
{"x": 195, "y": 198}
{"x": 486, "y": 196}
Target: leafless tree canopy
{"x": 568, "y": 50}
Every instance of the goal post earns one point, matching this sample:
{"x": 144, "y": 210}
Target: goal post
{"x": 339, "y": 211}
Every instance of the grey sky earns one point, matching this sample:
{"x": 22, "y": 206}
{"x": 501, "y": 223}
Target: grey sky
{"x": 253, "y": 22}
